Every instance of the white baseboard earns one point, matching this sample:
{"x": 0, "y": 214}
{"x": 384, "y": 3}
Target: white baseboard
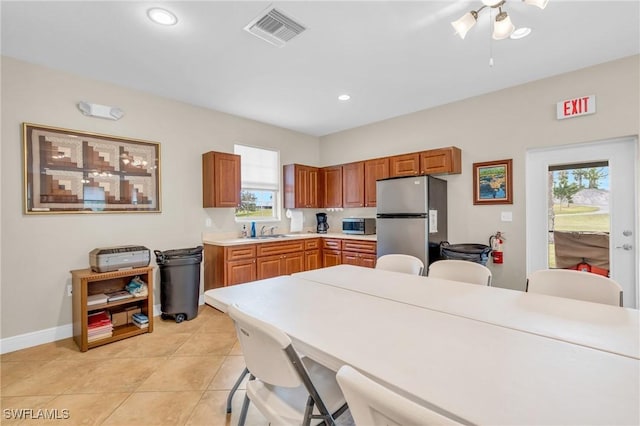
{"x": 35, "y": 338}
{"x": 49, "y": 335}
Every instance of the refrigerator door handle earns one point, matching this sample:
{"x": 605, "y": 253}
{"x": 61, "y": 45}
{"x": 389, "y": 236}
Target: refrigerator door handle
{"x": 402, "y": 215}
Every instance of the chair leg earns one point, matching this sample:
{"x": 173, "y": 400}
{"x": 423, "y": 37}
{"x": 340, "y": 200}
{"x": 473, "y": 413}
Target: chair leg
{"x": 308, "y": 411}
{"x": 243, "y": 412}
{"x": 235, "y": 388}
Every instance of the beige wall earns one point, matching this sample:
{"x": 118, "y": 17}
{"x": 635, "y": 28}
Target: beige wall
{"x": 38, "y": 251}
{"x": 497, "y": 126}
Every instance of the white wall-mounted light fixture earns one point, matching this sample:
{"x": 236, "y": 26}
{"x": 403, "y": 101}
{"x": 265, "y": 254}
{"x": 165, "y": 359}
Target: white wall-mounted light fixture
{"x": 502, "y": 27}
{"x": 100, "y": 111}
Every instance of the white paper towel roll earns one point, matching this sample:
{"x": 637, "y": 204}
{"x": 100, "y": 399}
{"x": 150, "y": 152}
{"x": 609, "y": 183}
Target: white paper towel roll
{"x": 296, "y": 221}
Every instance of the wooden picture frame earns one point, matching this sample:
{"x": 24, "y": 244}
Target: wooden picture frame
{"x": 493, "y": 182}
{"x": 70, "y": 171}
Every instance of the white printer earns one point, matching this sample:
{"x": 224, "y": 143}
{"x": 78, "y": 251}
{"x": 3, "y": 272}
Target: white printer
{"x": 107, "y": 259}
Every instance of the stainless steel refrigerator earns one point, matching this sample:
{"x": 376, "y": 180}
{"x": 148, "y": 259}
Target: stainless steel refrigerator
{"x": 411, "y": 216}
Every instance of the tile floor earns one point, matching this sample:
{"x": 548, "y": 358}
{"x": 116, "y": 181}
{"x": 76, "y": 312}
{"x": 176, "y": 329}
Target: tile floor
{"x": 178, "y": 375}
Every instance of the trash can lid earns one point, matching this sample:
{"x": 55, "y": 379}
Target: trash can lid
{"x": 195, "y": 251}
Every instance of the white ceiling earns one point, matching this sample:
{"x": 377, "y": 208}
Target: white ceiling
{"x": 392, "y": 57}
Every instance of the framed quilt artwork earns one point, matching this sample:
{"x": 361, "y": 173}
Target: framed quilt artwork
{"x": 69, "y": 171}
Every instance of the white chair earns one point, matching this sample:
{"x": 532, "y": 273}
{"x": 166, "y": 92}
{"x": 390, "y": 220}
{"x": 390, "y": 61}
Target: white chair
{"x": 460, "y": 270}
{"x": 575, "y": 285}
{"x": 400, "y": 263}
{"x": 372, "y": 404}
{"x": 285, "y": 388}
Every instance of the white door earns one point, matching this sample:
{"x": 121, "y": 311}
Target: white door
{"x": 621, "y": 155}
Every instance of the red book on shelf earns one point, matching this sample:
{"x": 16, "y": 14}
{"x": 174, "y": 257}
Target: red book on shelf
{"x": 98, "y": 319}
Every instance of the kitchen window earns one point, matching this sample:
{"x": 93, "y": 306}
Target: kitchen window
{"x": 260, "y": 188}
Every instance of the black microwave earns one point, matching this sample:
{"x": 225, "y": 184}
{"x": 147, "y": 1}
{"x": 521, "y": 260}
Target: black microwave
{"x": 359, "y": 225}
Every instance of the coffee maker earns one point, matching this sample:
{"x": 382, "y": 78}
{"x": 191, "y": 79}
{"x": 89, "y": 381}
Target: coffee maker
{"x": 323, "y": 225}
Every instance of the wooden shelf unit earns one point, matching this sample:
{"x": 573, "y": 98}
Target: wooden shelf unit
{"x": 86, "y": 282}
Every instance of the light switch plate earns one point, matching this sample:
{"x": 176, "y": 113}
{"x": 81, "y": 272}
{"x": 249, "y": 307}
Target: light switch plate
{"x": 506, "y": 216}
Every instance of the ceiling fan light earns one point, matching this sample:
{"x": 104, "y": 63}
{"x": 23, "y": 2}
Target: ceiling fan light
{"x": 503, "y": 27}
{"x": 539, "y": 3}
{"x": 465, "y": 23}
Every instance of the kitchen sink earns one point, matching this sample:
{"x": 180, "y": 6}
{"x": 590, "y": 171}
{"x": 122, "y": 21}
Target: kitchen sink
{"x": 269, "y": 236}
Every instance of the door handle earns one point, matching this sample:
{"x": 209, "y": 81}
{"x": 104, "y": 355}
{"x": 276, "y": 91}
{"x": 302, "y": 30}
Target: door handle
{"x": 625, "y": 247}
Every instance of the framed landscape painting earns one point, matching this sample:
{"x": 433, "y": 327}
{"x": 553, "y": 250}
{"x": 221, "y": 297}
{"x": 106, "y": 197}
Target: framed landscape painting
{"x": 492, "y": 182}
{"x": 69, "y": 171}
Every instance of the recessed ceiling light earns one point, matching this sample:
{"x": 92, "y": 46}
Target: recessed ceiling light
{"x": 344, "y": 97}
{"x": 162, "y": 16}
{"x": 519, "y": 33}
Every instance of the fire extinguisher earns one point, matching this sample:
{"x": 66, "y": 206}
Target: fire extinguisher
{"x": 495, "y": 241}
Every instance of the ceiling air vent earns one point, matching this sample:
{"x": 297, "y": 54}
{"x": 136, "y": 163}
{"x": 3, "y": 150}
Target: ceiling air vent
{"x": 274, "y": 27}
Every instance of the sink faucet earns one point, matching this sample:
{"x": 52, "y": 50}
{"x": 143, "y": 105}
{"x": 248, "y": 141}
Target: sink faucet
{"x": 262, "y": 230}
{"x": 272, "y": 229}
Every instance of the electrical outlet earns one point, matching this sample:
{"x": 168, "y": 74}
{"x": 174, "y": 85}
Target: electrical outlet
{"x": 69, "y": 291}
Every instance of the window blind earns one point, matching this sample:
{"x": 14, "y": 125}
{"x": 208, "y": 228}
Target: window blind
{"x": 259, "y": 167}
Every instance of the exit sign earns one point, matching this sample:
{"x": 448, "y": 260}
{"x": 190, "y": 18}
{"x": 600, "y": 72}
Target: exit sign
{"x": 576, "y": 107}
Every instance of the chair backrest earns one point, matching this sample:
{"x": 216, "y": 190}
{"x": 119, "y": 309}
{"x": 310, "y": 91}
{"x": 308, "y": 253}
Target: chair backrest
{"x": 263, "y": 347}
{"x": 460, "y": 270}
{"x": 575, "y": 285}
{"x": 400, "y": 263}
{"x": 375, "y": 405}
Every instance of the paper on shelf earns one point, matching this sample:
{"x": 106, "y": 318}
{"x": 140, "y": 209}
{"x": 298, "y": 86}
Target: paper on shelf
{"x": 296, "y": 221}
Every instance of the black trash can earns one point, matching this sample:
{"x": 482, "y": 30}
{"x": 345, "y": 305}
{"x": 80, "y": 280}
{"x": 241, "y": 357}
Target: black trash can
{"x": 478, "y": 253}
{"x": 179, "y": 282}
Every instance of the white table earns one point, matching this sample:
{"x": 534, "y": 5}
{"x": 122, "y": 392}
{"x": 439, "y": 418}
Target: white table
{"x": 595, "y": 325}
{"x": 470, "y": 370}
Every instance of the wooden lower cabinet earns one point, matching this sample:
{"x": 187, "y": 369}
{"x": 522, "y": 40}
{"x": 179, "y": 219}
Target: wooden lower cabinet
{"x": 285, "y": 264}
{"x": 359, "y": 259}
{"x": 312, "y": 260}
{"x": 331, "y": 258}
{"x": 240, "y": 271}
{"x": 359, "y": 253}
{"x": 230, "y": 265}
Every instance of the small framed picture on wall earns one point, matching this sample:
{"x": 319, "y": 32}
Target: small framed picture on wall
{"x": 492, "y": 182}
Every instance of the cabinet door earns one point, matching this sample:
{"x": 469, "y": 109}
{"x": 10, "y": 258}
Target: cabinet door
{"x": 374, "y": 170}
{"x": 312, "y": 260}
{"x": 301, "y": 186}
{"x": 331, "y": 258}
{"x": 220, "y": 179}
{"x": 313, "y": 187}
{"x": 353, "y": 184}
{"x": 332, "y": 178}
{"x": 349, "y": 258}
{"x": 439, "y": 161}
{"x": 404, "y": 165}
{"x": 293, "y": 262}
{"x": 367, "y": 260}
{"x": 240, "y": 271}
{"x": 269, "y": 267}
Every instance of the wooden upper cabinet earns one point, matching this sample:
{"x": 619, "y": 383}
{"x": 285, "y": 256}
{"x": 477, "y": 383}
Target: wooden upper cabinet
{"x": 301, "y": 186}
{"x": 353, "y": 184}
{"x": 221, "y": 184}
{"x": 404, "y": 165}
{"x": 439, "y": 161}
{"x": 332, "y": 180}
{"x": 374, "y": 170}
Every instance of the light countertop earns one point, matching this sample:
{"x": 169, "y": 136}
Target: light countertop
{"x": 221, "y": 240}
